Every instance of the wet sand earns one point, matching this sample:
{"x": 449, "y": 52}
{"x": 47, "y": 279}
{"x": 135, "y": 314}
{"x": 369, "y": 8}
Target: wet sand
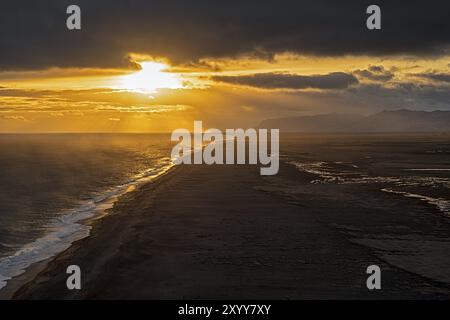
{"x": 225, "y": 232}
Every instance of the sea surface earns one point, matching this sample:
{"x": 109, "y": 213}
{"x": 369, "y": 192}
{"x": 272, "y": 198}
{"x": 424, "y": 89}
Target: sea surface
{"x": 50, "y": 184}
{"x": 414, "y": 166}
{"x": 389, "y": 193}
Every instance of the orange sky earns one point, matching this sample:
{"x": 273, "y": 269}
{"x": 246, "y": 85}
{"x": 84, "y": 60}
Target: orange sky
{"x": 161, "y": 97}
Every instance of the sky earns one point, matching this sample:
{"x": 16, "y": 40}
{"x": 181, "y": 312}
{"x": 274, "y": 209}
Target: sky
{"x": 154, "y": 66}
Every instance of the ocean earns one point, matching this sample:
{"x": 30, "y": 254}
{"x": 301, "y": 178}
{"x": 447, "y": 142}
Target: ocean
{"x": 50, "y": 183}
{"x": 414, "y": 166}
{"x": 386, "y": 193}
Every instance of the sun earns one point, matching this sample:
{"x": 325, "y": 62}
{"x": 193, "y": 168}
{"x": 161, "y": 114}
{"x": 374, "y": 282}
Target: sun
{"x": 151, "y": 77}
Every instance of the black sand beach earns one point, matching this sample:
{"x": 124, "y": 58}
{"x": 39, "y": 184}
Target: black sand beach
{"x": 212, "y": 232}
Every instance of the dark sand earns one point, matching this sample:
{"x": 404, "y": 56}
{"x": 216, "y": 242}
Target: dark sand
{"x": 212, "y": 232}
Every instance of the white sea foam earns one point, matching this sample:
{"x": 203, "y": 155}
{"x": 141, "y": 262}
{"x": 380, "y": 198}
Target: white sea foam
{"x": 68, "y": 227}
{"x": 428, "y": 169}
{"x": 442, "y": 204}
{"x": 328, "y": 174}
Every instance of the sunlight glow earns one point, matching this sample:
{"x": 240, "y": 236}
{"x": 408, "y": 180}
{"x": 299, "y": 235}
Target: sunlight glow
{"x": 150, "y": 78}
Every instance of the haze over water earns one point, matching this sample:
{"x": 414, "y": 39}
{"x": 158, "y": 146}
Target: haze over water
{"x": 49, "y": 183}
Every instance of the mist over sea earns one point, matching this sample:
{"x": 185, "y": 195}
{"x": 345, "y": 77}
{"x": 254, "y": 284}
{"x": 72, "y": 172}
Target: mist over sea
{"x": 50, "y": 183}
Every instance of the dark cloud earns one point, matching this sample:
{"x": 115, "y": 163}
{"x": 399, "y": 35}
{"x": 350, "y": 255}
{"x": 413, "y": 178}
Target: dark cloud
{"x": 335, "y": 80}
{"x": 436, "y": 76}
{"x": 33, "y": 33}
{"x": 375, "y": 73}
{"x": 408, "y": 95}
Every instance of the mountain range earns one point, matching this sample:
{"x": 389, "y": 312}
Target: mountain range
{"x": 385, "y": 121}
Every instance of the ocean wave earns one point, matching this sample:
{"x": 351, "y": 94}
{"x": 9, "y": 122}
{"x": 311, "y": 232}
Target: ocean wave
{"x": 330, "y": 174}
{"x": 442, "y": 204}
{"x": 68, "y": 227}
{"x": 428, "y": 169}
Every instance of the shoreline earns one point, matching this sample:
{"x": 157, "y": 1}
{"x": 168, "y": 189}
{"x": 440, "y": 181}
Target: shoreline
{"x": 32, "y": 271}
{"x": 225, "y": 232}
